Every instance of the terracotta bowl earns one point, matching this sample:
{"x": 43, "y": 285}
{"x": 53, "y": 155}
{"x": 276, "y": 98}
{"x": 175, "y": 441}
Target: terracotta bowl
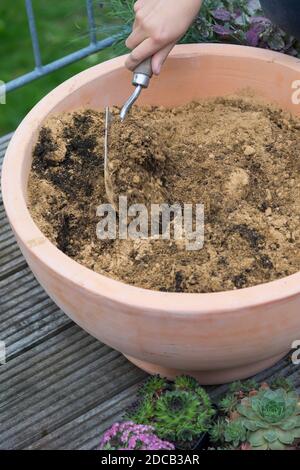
{"x": 215, "y": 337}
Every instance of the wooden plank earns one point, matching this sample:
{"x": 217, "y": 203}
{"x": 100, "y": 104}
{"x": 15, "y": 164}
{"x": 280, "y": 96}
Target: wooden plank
{"x": 11, "y": 258}
{"x": 282, "y": 368}
{"x": 16, "y": 285}
{"x": 6, "y": 138}
{"x": 4, "y": 141}
{"x": 17, "y": 370}
{"x": 84, "y": 432}
{"x": 60, "y": 388}
{"x": 6, "y": 235}
{"x": 2, "y": 213}
{"x": 55, "y": 371}
{"x": 70, "y": 436}
{"x": 28, "y": 316}
{"x": 63, "y": 391}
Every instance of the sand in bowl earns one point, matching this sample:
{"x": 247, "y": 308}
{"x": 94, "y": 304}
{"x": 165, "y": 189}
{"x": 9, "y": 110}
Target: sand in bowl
{"x": 237, "y": 156}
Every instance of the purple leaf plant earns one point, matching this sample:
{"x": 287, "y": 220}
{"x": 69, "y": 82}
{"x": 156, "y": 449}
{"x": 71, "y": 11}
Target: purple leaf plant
{"x": 239, "y": 22}
{"x": 221, "y": 14}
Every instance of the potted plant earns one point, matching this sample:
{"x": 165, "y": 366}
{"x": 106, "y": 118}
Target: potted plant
{"x": 235, "y": 21}
{"x": 285, "y": 13}
{"x": 131, "y": 436}
{"x": 258, "y": 417}
{"x": 180, "y": 412}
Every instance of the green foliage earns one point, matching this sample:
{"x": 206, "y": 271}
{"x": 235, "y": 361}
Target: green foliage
{"x": 179, "y": 416}
{"x": 218, "y": 430}
{"x": 185, "y": 382}
{"x": 180, "y": 411}
{"x": 228, "y": 403}
{"x": 122, "y": 10}
{"x": 272, "y": 419}
{"x": 244, "y": 387}
{"x": 258, "y": 417}
{"x": 282, "y": 382}
{"x": 62, "y": 28}
{"x": 141, "y": 412}
{"x": 230, "y": 21}
{"x": 230, "y": 434}
{"x": 235, "y": 433}
{"x": 152, "y": 386}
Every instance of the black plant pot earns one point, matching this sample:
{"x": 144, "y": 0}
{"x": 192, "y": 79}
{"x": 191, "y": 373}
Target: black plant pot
{"x": 203, "y": 441}
{"x": 284, "y": 13}
{"x": 200, "y": 444}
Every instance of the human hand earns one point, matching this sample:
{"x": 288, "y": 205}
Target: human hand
{"x": 158, "y": 25}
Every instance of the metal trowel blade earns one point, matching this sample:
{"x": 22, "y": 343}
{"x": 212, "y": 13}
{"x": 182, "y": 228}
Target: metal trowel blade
{"x": 107, "y": 176}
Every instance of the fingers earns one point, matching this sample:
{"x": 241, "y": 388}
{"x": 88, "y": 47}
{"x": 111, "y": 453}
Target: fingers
{"x": 160, "y": 57}
{"x": 150, "y": 37}
{"x": 137, "y": 36}
{"x": 149, "y": 48}
{"x": 140, "y": 30}
{"x": 143, "y": 6}
{"x": 146, "y": 49}
{"x": 138, "y": 4}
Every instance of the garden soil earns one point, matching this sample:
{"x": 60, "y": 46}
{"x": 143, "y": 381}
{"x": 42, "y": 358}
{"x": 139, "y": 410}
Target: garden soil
{"x": 237, "y": 156}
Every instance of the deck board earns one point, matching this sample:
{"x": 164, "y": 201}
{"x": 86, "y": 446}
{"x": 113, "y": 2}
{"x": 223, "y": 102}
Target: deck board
{"x": 60, "y": 387}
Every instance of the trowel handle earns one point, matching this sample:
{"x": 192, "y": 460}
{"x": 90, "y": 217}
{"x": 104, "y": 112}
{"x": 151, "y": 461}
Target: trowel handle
{"x": 145, "y": 67}
{"x": 143, "y": 73}
{"x": 141, "y": 79}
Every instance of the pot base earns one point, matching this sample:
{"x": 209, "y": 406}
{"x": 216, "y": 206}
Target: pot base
{"x": 209, "y": 377}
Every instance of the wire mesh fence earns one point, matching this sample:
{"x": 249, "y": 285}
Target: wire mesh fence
{"x": 41, "y": 69}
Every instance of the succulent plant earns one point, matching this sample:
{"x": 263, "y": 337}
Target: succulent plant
{"x": 131, "y": 436}
{"x": 185, "y": 382}
{"x": 258, "y": 416}
{"x": 272, "y": 419}
{"x": 282, "y": 382}
{"x": 179, "y": 416}
{"x": 235, "y": 433}
{"x": 228, "y": 403}
{"x": 218, "y": 430}
{"x": 141, "y": 411}
{"x": 228, "y": 433}
{"x": 246, "y": 386}
{"x": 180, "y": 411}
{"x": 153, "y": 385}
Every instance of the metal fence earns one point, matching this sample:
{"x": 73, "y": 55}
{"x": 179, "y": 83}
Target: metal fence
{"x": 40, "y": 69}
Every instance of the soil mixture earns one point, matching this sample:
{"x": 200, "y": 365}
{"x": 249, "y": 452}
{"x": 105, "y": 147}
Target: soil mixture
{"x": 237, "y": 156}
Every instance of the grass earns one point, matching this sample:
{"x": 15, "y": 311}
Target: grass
{"x": 62, "y": 28}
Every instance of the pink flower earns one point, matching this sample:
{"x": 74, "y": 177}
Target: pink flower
{"x": 130, "y": 436}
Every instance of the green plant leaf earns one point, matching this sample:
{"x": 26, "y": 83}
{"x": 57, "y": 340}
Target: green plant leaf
{"x": 256, "y": 439}
{"x": 276, "y": 446}
{"x": 285, "y": 437}
{"x": 290, "y": 423}
{"x": 270, "y": 436}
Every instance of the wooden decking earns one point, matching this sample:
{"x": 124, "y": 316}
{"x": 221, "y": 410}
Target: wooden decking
{"x": 60, "y": 388}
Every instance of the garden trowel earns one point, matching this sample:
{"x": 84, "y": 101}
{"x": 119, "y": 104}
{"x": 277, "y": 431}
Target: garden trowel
{"x": 141, "y": 79}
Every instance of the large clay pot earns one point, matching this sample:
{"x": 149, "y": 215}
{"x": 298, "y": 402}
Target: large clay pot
{"x": 216, "y": 337}
{"x": 284, "y": 13}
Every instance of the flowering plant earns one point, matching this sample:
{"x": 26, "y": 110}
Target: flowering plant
{"x": 131, "y": 436}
